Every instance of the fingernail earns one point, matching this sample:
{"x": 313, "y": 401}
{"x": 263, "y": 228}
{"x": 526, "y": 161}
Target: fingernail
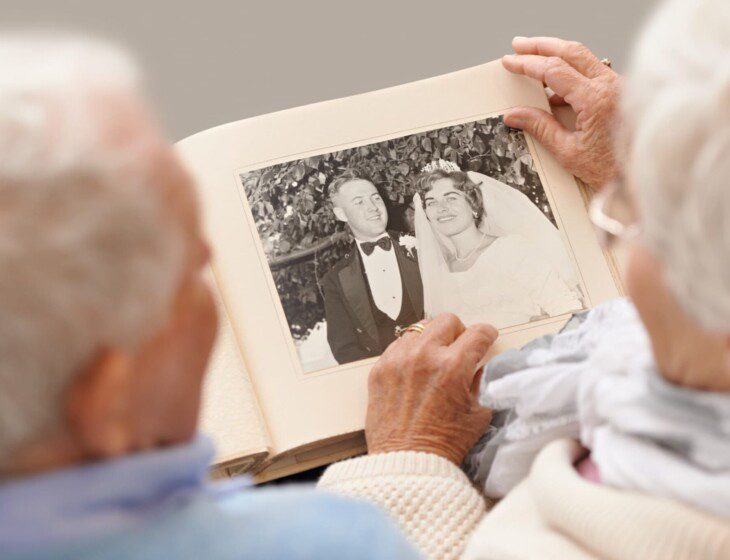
{"x": 518, "y": 38}
{"x": 512, "y": 120}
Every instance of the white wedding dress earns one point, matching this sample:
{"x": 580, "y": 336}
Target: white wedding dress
{"x": 524, "y": 274}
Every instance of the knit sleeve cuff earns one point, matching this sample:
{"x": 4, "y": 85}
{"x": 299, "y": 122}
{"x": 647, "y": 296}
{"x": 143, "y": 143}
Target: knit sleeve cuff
{"x": 412, "y": 463}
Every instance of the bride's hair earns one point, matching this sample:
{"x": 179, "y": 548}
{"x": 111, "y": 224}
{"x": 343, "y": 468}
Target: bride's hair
{"x": 462, "y": 182}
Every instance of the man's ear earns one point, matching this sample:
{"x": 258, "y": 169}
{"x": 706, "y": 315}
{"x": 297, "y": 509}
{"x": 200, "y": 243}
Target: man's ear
{"x": 339, "y": 214}
{"x": 98, "y": 405}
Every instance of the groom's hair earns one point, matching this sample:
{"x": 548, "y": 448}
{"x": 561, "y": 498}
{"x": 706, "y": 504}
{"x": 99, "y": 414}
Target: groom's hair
{"x": 343, "y": 178}
{"x": 462, "y": 182}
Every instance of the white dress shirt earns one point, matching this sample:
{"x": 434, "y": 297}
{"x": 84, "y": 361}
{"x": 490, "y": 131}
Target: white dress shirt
{"x": 383, "y": 275}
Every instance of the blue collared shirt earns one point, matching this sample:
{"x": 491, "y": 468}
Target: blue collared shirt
{"x": 158, "y": 504}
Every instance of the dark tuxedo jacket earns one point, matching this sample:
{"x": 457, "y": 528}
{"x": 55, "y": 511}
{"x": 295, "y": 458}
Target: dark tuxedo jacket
{"x": 351, "y": 329}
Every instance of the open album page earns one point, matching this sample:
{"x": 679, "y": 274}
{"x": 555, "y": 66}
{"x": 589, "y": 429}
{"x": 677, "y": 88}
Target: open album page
{"x": 335, "y": 224}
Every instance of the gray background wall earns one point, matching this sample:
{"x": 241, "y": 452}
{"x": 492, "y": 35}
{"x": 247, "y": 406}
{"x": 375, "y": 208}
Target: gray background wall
{"x": 209, "y": 63}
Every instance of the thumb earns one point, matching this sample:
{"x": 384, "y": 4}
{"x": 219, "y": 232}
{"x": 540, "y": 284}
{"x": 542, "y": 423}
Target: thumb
{"x": 544, "y": 127}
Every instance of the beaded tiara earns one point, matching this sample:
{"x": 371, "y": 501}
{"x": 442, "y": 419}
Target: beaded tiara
{"x": 440, "y": 165}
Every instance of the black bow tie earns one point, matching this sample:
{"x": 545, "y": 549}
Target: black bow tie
{"x": 369, "y": 246}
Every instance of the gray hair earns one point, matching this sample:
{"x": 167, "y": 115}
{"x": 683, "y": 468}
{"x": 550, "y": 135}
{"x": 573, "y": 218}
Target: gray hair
{"x": 85, "y": 261}
{"x": 676, "y": 110}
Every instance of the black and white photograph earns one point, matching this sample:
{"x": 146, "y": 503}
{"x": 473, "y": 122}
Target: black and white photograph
{"x": 365, "y": 241}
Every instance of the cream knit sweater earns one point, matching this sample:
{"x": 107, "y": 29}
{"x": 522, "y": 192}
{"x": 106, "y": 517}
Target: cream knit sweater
{"x": 431, "y": 498}
{"x": 554, "y": 514}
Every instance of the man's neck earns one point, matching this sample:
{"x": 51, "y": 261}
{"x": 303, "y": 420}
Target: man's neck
{"x": 363, "y": 239}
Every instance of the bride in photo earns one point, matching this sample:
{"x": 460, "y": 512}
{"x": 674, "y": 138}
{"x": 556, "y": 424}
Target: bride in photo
{"x": 487, "y": 253}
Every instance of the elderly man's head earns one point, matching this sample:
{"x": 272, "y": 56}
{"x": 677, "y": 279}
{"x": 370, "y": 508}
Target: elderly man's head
{"x": 676, "y": 112}
{"x": 105, "y": 322}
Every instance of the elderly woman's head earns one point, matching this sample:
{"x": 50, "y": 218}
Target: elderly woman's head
{"x": 676, "y": 127}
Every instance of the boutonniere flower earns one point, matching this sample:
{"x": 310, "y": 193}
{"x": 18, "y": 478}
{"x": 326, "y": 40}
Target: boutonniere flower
{"x": 409, "y": 243}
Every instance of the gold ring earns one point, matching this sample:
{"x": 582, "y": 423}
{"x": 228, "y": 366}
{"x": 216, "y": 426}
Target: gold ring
{"x": 606, "y": 62}
{"x": 415, "y": 327}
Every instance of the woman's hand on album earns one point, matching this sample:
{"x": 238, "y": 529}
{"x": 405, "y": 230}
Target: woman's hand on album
{"x": 580, "y": 80}
{"x": 423, "y": 391}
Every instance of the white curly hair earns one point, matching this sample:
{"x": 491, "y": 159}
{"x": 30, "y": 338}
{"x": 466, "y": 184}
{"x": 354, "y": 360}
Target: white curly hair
{"x": 676, "y": 110}
{"x": 86, "y": 259}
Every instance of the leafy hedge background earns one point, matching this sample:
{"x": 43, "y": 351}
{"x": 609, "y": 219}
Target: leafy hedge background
{"x": 303, "y": 240}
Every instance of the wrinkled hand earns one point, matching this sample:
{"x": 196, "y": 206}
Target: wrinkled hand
{"x": 423, "y": 391}
{"x": 580, "y": 80}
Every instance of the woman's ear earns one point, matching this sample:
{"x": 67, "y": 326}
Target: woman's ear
{"x": 98, "y": 406}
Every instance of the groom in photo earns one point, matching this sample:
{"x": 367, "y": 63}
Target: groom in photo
{"x": 377, "y": 286}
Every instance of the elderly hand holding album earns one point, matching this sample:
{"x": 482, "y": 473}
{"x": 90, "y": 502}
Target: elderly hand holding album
{"x": 577, "y": 78}
{"x": 416, "y": 375}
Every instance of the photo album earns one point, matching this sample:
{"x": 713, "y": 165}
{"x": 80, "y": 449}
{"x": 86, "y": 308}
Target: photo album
{"x": 336, "y": 224}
